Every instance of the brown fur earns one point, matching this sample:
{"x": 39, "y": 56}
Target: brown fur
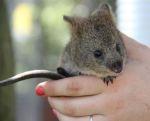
{"x": 98, "y": 31}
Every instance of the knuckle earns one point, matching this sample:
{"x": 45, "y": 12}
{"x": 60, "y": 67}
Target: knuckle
{"x": 70, "y": 109}
{"x": 74, "y": 87}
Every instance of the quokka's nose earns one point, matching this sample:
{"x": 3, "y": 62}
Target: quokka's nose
{"x": 63, "y": 72}
{"x": 116, "y": 66}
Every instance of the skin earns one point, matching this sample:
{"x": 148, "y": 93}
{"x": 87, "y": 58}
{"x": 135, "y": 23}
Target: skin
{"x": 127, "y": 99}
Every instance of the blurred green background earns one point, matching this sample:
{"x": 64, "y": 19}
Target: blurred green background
{"x": 33, "y": 35}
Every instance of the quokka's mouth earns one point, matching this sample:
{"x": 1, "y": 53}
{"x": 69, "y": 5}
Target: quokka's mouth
{"x": 65, "y": 73}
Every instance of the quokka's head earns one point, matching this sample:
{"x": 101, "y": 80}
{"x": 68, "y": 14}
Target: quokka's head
{"x": 96, "y": 47}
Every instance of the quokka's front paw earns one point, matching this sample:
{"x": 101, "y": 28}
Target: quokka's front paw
{"x": 108, "y": 79}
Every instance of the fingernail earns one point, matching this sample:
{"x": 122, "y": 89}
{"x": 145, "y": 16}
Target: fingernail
{"x": 40, "y": 91}
{"x": 54, "y": 112}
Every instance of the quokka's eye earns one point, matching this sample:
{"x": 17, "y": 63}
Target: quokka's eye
{"x": 118, "y": 48}
{"x": 98, "y": 54}
{"x": 99, "y": 27}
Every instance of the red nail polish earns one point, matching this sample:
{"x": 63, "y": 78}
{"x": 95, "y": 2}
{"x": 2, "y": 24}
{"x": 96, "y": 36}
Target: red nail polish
{"x": 40, "y": 91}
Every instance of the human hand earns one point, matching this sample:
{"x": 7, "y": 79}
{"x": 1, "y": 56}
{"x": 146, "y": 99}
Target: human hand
{"x": 127, "y": 99}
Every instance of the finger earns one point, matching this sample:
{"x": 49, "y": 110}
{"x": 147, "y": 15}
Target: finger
{"x": 74, "y": 86}
{"x": 82, "y": 106}
{"x": 135, "y": 50}
{"x": 62, "y": 117}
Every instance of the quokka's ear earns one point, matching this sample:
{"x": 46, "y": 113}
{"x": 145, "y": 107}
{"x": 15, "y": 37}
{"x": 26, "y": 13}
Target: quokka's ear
{"x": 75, "y": 22}
{"x": 103, "y": 9}
{"x": 69, "y": 19}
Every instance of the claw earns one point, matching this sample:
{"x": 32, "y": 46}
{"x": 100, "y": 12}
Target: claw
{"x": 108, "y": 79}
{"x": 104, "y": 80}
{"x": 111, "y": 81}
{"x": 107, "y": 82}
